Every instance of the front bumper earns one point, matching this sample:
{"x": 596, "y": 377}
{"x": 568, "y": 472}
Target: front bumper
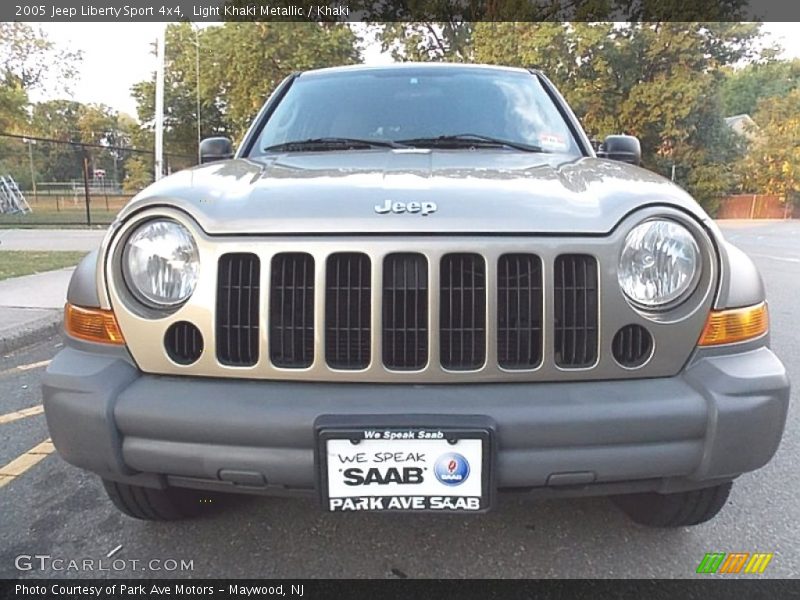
{"x": 722, "y": 416}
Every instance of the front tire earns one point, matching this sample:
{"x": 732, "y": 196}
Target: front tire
{"x": 682, "y": 509}
{"x": 152, "y": 504}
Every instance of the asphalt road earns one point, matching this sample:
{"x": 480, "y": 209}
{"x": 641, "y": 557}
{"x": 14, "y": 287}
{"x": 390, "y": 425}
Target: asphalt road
{"x": 60, "y": 511}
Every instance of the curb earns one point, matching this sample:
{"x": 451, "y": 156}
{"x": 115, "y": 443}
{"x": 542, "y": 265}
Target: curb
{"x": 30, "y": 333}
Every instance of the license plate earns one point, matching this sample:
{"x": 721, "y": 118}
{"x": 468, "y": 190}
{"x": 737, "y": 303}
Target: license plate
{"x": 405, "y": 469}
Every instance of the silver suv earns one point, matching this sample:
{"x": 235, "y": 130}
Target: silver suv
{"x": 411, "y": 288}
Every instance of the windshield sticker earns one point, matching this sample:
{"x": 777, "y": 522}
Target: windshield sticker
{"x": 552, "y": 141}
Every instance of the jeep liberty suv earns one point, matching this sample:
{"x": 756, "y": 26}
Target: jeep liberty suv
{"x": 412, "y": 288}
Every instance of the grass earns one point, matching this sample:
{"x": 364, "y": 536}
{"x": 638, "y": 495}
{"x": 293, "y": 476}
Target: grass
{"x": 15, "y": 263}
{"x": 64, "y": 212}
{"x": 69, "y": 219}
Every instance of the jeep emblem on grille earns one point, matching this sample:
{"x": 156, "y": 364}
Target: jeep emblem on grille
{"x": 423, "y": 208}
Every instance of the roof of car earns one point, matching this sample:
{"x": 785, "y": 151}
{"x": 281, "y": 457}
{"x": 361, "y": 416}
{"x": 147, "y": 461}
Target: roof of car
{"x": 411, "y": 65}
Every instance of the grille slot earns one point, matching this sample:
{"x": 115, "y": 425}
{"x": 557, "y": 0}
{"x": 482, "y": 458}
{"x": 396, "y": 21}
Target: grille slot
{"x": 575, "y": 307}
{"x": 183, "y": 342}
{"x": 238, "y": 309}
{"x": 519, "y": 311}
{"x": 348, "y": 288}
{"x": 462, "y": 312}
{"x": 405, "y": 311}
{"x": 632, "y": 346}
{"x": 291, "y": 310}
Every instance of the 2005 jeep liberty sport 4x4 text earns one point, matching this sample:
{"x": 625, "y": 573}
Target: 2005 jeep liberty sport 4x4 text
{"x": 413, "y": 287}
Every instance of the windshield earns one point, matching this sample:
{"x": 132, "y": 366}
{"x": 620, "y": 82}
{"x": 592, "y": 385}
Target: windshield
{"x": 416, "y": 107}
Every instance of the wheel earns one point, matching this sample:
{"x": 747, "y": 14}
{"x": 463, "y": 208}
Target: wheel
{"x": 674, "y": 510}
{"x": 151, "y": 504}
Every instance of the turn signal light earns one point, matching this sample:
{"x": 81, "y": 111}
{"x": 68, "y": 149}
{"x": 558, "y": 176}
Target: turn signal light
{"x": 735, "y": 325}
{"x": 92, "y": 325}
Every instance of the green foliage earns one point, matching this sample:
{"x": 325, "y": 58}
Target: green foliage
{"x": 13, "y": 100}
{"x": 67, "y": 120}
{"x": 427, "y": 41}
{"x": 658, "y": 81}
{"x": 773, "y": 164}
{"x": 139, "y": 173}
{"x": 745, "y": 87}
{"x": 28, "y": 61}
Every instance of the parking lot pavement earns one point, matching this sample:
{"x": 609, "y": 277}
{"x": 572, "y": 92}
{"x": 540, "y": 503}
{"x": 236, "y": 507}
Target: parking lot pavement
{"x": 54, "y": 509}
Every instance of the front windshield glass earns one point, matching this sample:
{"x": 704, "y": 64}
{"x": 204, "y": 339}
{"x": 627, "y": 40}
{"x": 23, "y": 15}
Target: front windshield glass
{"x": 411, "y": 105}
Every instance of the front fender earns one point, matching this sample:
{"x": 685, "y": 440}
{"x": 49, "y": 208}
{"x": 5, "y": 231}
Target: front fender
{"x": 82, "y": 289}
{"x": 740, "y": 283}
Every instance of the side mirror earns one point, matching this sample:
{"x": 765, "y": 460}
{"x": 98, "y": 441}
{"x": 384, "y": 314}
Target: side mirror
{"x": 215, "y": 148}
{"x": 624, "y": 148}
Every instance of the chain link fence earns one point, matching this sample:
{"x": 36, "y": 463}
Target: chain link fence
{"x": 70, "y": 183}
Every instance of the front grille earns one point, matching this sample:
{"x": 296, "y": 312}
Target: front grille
{"x": 348, "y": 289}
{"x": 405, "y": 311}
{"x": 340, "y": 316}
{"x": 462, "y": 311}
{"x": 519, "y": 311}
{"x": 238, "y": 302}
{"x": 575, "y": 306}
{"x": 291, "y": 310}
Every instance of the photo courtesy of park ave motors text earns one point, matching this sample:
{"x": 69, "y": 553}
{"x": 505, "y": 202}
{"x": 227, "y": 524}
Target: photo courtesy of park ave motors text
{"x": 398, "y": 299}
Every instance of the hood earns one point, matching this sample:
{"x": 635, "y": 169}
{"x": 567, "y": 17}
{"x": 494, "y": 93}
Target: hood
{"x": 473, "y": 191}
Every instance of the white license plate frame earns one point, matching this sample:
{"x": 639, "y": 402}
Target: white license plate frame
{"x": 462, "y": 482}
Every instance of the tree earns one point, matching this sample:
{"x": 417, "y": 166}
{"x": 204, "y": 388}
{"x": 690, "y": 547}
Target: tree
{"x": 745, "y": 87}
{"x": 139, "y": 173}
{"x": 240, "y": 64}
{"x": 772, "y": 166}
{"x": 70, "y": 121}
{"x": 449, "y": 41}
{"x": 658, "y": 81}
{"x": 28, "y": 61}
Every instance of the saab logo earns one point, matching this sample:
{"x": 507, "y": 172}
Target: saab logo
{"x": 735, "y": 562}
{"x": 355, "y": 476}
{"x": 423, "y": 208}
{"x": 451, "y": 469}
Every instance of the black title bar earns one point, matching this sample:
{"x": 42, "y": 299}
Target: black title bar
{"x": 397, "y": 10}
{"x": 343, "y": 589}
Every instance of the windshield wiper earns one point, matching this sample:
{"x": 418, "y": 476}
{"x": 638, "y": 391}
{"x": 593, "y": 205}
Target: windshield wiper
{"x": 331, "y": 143}
{"x": 467, "y": 140}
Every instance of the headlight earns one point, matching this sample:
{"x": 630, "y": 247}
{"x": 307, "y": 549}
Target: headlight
{"x": 161, "y": 263}
{"x": 659, "y": 264}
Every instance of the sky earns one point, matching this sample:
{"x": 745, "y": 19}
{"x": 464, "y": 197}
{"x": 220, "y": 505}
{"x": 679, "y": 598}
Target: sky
{"x": 117, "y": 55}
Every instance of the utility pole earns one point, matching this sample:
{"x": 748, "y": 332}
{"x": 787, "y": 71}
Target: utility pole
{"x": 197, "y": 71}
{"x": 30, "y": 161}
{"x": 159, "y": 116}
{"x": 86, "y": 186}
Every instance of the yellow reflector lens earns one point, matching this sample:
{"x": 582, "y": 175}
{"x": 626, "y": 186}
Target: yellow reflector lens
{"x": 92, "y": 325}
{"x": 735, "y": 325}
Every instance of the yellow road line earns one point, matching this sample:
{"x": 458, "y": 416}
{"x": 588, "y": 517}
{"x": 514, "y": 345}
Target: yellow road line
{"x": 28, "y": 367}
{"x": 24, "y": 462}
{"x": 21, "y": 414}
{"x": 36, "y": 365}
